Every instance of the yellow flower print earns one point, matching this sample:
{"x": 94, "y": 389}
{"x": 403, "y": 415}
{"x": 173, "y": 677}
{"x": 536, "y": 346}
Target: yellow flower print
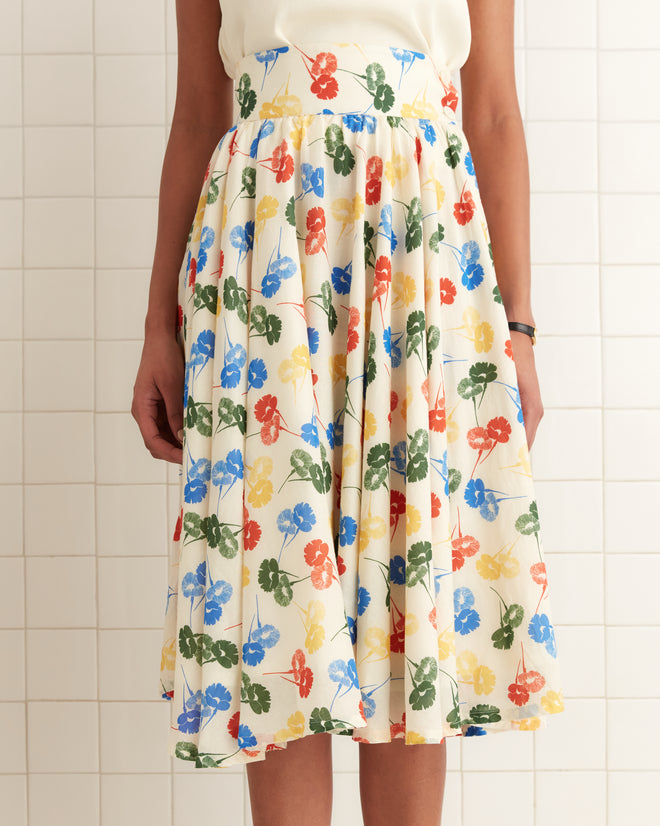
{"x": 262, "y": 466}
{"x": 337, "y": 367}
{"x": 553, "y": 702}
{"x": 281, "y": 105}
{"x": 266, "y": 208}
{"x": 483, "y": 337}
{"x": 489, "y": 567}
{"x": 299, "y": 129}
{"x": 347, "y": 211}
{"x": 370, "y": 424}
{"x": 349, "y": 455}
{"x": 404, "y": 289}
{"x": 246, "y": 575}
{"x": 378, "y": 644}
{"x": 484, "y": 680}
{"x": 295, "y": 728}
{"x": 296, "y": 368}
{"x": 411, "y": 623}
{"x": 397, "y": 168}
{"x": 168, "y": 655}
{"x": 312, "y": 621}
{"x": 434, "y": 184}
{"x": 414, "y": 737}
{"x": 419, "y": 108}
{"x": 315, "y": 637}
{"x": 446, "y": 644}
{"x": 413, "y": 520}
{"x": 453, "y": 431}
{"x": 466, "y": 663}
{"x": 196, "y": 232}
{"x": 510, "y": 564}
{"x": 373, "y": 527}
{"x": 529, "y": 724}
{"x": 261, "y": 492}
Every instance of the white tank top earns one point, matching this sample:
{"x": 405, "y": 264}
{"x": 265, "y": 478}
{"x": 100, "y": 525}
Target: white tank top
{"x": 440, "y": 28}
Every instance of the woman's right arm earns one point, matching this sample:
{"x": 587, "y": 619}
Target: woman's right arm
{"x": 202, "y": 114}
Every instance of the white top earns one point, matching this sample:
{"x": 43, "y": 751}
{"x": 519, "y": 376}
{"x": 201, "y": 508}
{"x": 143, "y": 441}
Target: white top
{"x": 440, "y": 28}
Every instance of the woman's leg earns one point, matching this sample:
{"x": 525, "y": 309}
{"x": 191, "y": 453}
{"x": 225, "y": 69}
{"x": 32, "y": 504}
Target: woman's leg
{"x": 293, "y": 786}
{"x": 402, "y": 783}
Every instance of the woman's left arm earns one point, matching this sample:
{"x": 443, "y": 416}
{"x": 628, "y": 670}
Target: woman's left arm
{"x": 494, "y": 129}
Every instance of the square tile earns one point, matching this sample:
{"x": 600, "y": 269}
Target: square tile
{"x": 623, "y": 313}
{"x": 132, "y": 520}
{"x": 12, "y": 656}
{"x": 625, "y": 373}
{"x": 11, "y": 232}
{"x": 633, "y": 731}
{"x": 576, "y": 740}
{"x": 11, "y": 519}
{"x": 631, "y": 672}
{"x": 117, "y": 318}
{"x": 562, "y": 385}
{"x": 59, "y": 232}
{"x": 627, "y": 226}
{"x": 144, "y": 75}
{"x": 61, "y": 592}
{"x": 61, "y": 665}
{"x": 131, "y": 26}
{"x": 132, "y": 592}
{"x": 129, "y": 160}
{"x": 71, "y": 291}
{"x": 59, "y": 375}
{"x": 578, "y": 434}
{"x": 58, "y": 89}
{"x": 59, "y": 520}
{"x": 10, "y": 26}
{"x": 583, "y": 677}
{"x": 117, "y": 364}
{"x": 550, "y": 31}
{"x": 59, "y": 161}
{"x": 11, "y": 161}
{"x": 128, "y": 662}
{"x": 11, "y": 375}
{"x": 571, "y": 798}
{"x": 12, "y": 721}
{"x": 196, "y": 798}
{"x": 617, "y": 96}
{"x": 555, "y": 234}
{"x": 627, "y": 505}
{"x": 552, "y": 170}
{"x": 550, "y": 72}
{"x": 10, "y": 449}
{"x": 636, "y": 457}
{"x": 12, "y": 603}
{"x": 59, "y": 447}
{"x": 121, "y": 457}
{"x": 134, "y": 221}
{"x": 573, "y": 514}
{"x": 623, "y": 171}
{"x": 11, "y": 303}
{"x": 631, "y": 796}
{"x": 508, "y": 795}
{"x": 43, "y": 30}
{"x": 638, "y": 28}
{"x": 577, "y": 588}
{"x": 136, "y": 799}
{"x": 630, "y": 591}
{"x": 144, "y": 726}
{"x": 11, "y": 110}
{"x": 13, "y": 793}
{"x": 513, "y": 749}
{"x": 61, "y": 734}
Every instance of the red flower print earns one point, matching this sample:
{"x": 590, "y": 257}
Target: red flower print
{"x": 508, "y": 349}
{"x": 325, "y": 63}
{"x": 374, "y": 169}
{"x": 252, "y": 535}
{"x": 192, "y": 275}
{"x": 451, "y": 98}
{"x": 316, "y": 552}
{"x": 177, "y": 529}
{"x": 314, "y": 242}
{"x": 436, "y": 505}
{"x": 447, "y": 291}
{"x": 315, "y": 220}
{"x": 322, "y": 575}
{"x": 372, "y": 191}
{"x": 265, "y": 408}
{"x": 539, "y": 573}
{"x": 325, "y": 87}
{"x": 382, "y": 281}
{"x": 418, "y": 150}
{"x": 341, "y": 565}
{"x": 518, "y": 694}
{"x": 179, "y": 318}
{"x": 464, "y": 209}
{"x": 282, "y": 162}
{"x": 353, "y": 335}
{"x": 232, "y": 725}
{"x": 464, "y": 545}
{"x": 532, "y": 680}
{"x": 499, "y": 429}
{"x": 303, "y": 676}
{"x": 270, "y": 430}
{"x": 397, "y": 508}
{"x": 433, "y": 617}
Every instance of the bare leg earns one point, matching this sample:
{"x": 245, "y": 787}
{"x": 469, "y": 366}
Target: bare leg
{"x": 402, "y": 784}
{"x": 293, "y": 786}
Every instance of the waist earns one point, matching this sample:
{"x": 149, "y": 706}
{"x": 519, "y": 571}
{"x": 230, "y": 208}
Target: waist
{"x": 360, "y": 79}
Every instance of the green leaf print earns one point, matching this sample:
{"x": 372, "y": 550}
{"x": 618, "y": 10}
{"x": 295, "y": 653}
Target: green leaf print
{"x": 452, "y": 153}
{"x": 283, "y": 591}
{"x": 257, "y": 695}
{"x": 414, "y": 224}
{"x": 436, "y": 237}
{"x": 213, "y": 190}
{"x": 290, "y": 211}
{"x": 394, "y": 120}
{"x": 483, "y": 713}
{"x": 427, "y": 670}
{"x": 422, "y": 696}
{"x": 417, "y": 467}
{"x": 342, "y": 156}
{"x": 269, "y": 574}
{"x": 187, "y": 642}
{"x": 227, "y": 542}
{"x": 432, "y": 343}
{"x": 186, "y": 751}
{"x": 415, "y": 327}
{"x": 382, "y": 92}
{"x": 249, "y": 181}
{"x": 235, "y": 297}
{"x": 301, "y": 462}
{"x": 369, "y": 252}
{"x": 420, "y": 552}
{"x": 514, "y": 615}
{"x": 225, "y": 653}
{"x": 247, "y": 97}
{"x": 265, "y": 324}
{"x": 206, "y": 295}
{"x": 320, "y": 720}
{"x": 497, "y": 295}
{"x": 370, "y": 374}
{"x": 454, "y": 477}
{"x": 192, "y": 526}
{"x": 378, "y": 460}
{"x": 328, "y": 306}
{"x": 528, "y": 523}
{"x": 321, "y": 477}
{"x": 198, "y": 416}
{"x": 204, "y": 649}
{"x": 230, "y": 415}
{"x": 503, "y": 637}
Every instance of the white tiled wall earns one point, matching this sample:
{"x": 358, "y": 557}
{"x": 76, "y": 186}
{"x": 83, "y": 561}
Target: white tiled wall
{"x": 86, "y": 94}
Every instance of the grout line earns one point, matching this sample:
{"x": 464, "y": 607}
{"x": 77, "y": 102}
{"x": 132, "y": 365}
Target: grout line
{"x": 601, "y": 317}
{"x": 22, "y": 420}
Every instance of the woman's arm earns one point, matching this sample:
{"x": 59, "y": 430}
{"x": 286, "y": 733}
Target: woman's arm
{"x": 493, "y": 126}
{"x": 202, "y": 114}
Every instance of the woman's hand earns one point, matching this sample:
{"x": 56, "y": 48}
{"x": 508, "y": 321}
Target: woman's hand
{"x": 528, "y": 383}
{"x": 158, "y": 397}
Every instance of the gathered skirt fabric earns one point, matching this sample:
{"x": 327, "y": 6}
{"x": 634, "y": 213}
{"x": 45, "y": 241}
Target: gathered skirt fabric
{"x": 358, "y": 546}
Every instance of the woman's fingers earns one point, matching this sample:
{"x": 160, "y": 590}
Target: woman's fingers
{"x": 150, "y": 413}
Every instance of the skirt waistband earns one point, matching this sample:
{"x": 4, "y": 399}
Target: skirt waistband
{"x": 359, "y": 79}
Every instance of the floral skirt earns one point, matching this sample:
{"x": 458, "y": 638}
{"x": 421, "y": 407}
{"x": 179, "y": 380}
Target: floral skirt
{"x": 358, "y": 545}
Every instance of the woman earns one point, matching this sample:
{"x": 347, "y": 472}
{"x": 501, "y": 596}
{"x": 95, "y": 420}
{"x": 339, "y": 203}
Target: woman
{"x": 358, "y": 547}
